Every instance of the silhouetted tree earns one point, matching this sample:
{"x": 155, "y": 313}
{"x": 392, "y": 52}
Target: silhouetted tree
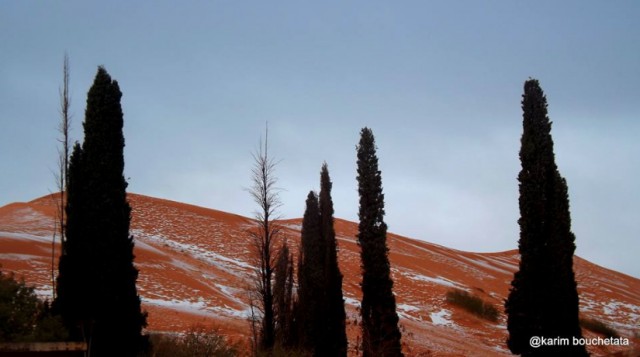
{"x": 380, "y": 333}
{"x": 543, "y": 300}
{"x": 335, "y": 336}
{"x": 320, "y": 309}
{"x": 310, "y": 276}
{"x": 97, "y": 293}
{"x": 264, "y": 239}
{"x": 283, "y": 297}
{"x": 74, "y": 287}
{"x": 63, "y": 166}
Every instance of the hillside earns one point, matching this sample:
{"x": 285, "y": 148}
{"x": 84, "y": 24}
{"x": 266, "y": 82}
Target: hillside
{"x": 195, "y": 267}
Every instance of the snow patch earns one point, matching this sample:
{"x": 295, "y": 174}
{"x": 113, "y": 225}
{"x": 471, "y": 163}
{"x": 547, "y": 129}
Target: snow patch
{"x": 229, "y": 293}
{"x": 44, "y": 292}
{"x": 29, "y": 215}
{"x": 198, "y": 307}
{"x": 438, "y": 280}
{"x": 407, "y": 308}
{"x": 148, "y": 247}
{"x": 441, "y": 318}
{"x": 292, "y": 226}
{"x": 617, "y": 309}
{"x": 486, "y": 265}
{"x": 404, "y": 311}
{"x": 25, "y": 236}
{"x": 182, "y": 265}
{"x": 201, "y": 254}
{"x": 16, "y": 256}
{"x": 351, "y": 301}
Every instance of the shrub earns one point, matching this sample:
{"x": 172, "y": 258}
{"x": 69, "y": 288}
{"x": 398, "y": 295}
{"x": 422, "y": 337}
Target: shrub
{"x": 199, "y": 341}
{"x": 19, "y": 307}
{"x": 23, "y": 317}
{"x": 598, "y": 326}
{"x": 473, "y": 304}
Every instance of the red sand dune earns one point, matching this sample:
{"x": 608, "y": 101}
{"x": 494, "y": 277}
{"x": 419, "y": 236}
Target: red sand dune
{"x": 196, "y": 267}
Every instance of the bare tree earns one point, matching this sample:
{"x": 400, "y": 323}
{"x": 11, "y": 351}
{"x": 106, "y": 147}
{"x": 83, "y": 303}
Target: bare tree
{"x": 253, "y": 321}
{"x": 265, "y": 236}
{"x": 63, "y": 165}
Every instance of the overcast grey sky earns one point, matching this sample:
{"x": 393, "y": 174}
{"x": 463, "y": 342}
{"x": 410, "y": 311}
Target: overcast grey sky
{"x": 439, "y": 83}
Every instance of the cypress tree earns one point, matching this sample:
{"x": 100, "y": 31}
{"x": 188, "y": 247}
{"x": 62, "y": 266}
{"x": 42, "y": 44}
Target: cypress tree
{"x": 74, "y": 276}
{"x": 543, "y": 300}
{"x": 283, "y": 297}
{"x": 380, "y": 333}
{"x": 291, "y": 331}
{"x": 310, "y": 275}
{"x": 335, "y": 336}
{"x": 98, "y": 242}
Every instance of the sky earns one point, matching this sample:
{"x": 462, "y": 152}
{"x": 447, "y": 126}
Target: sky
{"x": 438, "y": 82}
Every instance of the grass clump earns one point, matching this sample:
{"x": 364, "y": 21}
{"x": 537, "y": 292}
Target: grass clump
{"x": 473, "y": 304}
{"x": 599, "y": 327}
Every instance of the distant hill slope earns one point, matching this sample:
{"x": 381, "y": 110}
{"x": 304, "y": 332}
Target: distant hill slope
{"x": 196, "y": 266}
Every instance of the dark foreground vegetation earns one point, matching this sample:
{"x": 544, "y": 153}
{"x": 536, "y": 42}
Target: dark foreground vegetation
{"x": 23, "y": 317}
{"x": 199, "y": 341}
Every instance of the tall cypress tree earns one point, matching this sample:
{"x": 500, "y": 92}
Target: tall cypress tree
{"x": 543, "y": 300}
{"x": 98, "y": 241}
{"x": 310, "y": 276}
{"x": 335, "y": 336}
{"x": 380, "y": 333}
{"x": 320, "y": 307}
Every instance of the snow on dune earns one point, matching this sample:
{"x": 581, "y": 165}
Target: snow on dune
{"x": 227, "y": 264}
{"x": 437, "y": 280}
{"x": 26, "y": 236}
{"x": 194, "y": 267}
{"x": 197, "y": 307}
{"x": 484, "y": 263}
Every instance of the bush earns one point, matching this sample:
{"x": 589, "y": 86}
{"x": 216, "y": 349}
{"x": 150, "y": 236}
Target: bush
{"x": 598, "y": 326}
{"x": 24, "y": 318}
{"x": 199, "y": 341}
{"x": 473, "y": 304}
{"x": 49, "y": 327}
{"x": 18, "y": 309}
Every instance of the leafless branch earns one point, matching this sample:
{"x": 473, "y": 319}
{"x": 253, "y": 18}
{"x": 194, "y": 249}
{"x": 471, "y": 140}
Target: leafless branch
{"x": 63, "y": 165}
{"x": 265, "y": 236}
